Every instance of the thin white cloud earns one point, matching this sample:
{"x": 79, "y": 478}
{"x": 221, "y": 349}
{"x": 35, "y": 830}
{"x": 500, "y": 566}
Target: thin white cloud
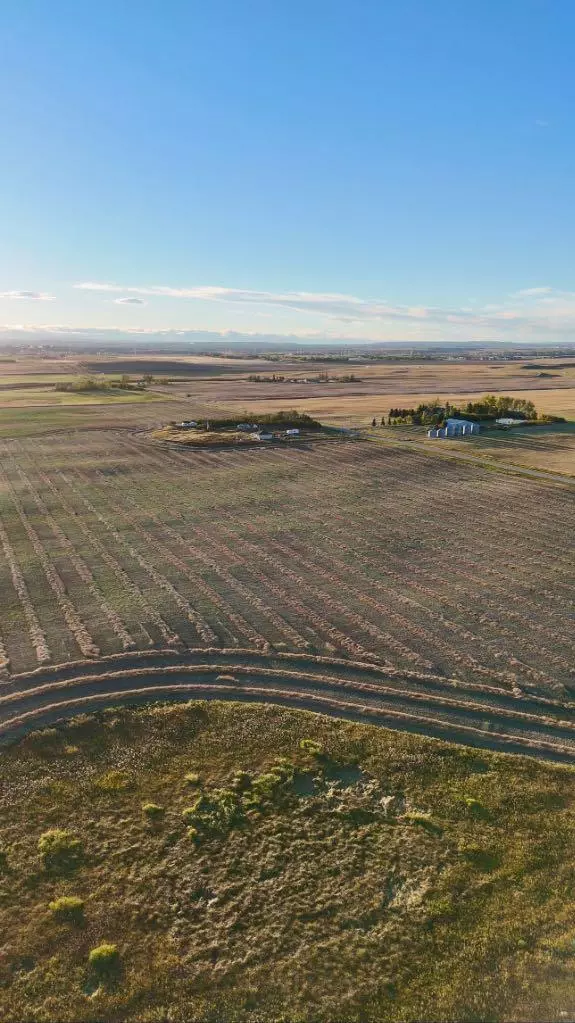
{"x": 541, "y": 123}
{"x": 489, "y": 321}
{"x": 35, "y": 296}
{"x": 528, "y": 292}
{"x": 540, "y": 313}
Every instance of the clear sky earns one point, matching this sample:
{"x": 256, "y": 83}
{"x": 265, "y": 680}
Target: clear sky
{"x": 378, "y": 169}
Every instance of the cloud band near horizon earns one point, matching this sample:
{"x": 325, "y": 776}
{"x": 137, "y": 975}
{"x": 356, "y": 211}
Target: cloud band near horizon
{"x": 532, "y": 312}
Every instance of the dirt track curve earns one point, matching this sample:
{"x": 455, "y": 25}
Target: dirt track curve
{"x": 472, "y": 714}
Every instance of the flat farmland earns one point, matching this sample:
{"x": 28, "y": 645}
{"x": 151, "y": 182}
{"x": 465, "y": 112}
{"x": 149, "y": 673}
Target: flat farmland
{"x": 339, "y": 407}
{"x": 373, "y": 583}
{"x": 551, "y": 448}
{"x": 192, "y": 386}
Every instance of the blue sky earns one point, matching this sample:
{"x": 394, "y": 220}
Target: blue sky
{"x": 372, "y": 170}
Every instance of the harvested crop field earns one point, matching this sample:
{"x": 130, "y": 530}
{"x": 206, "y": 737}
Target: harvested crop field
{"x": 374, "y": 583}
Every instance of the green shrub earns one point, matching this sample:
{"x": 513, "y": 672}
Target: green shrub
{"x": 266, "y": 785}
{"x": 241, "y": 780}
{"x": 59, "y": 849}
{"x": 115, "y": 781}
{"x": 193, "y": 778}
{"x": 472, "y": 803}
{"x": 189, "y": 814}
{"x": 216, "y": 812}
{"x": 152, "y": 810}
{"x": 68, "y": 908}
{"x": 104, "y": 959}
{"x": 475, "y": 808}
{"x": 312, "y": 747}
{"x": 283, "y": 770}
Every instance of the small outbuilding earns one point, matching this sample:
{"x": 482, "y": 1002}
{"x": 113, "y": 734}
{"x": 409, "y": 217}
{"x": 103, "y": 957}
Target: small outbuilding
{"x": 461, "y": 426}
{"x": 455, "y": 428}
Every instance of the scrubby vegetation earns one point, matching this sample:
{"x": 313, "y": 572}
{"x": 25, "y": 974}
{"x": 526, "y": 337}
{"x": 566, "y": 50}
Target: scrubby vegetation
{"x": 285, "y": 420}
{"x": 86, "y": 384}
{"x": 68, "y": 908}
{"x": 60, "y": 850}
{"x": 104, "y": 962}
{"x": 316, "y": 870}
{"x": 320, "y": 378}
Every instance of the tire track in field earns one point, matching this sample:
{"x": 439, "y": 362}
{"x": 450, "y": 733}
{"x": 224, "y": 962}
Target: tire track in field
{"x": 426, "y": 705}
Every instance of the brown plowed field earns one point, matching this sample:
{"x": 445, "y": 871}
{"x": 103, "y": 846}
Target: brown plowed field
{"x": 358, "y": 579}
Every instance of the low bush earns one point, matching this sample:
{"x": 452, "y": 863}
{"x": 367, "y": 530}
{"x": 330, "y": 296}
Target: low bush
{"x": 474, "y": 807}
{"x": 241, "y": 780}
{"x": 310, "y": 746}
{"x": 266, "y": 785}
{"x": 152, "y": 810}
{"x": 193, "y": 778}
{"x": 104, "y": 959}
{"x": 115, "y": 781}
{"x": 189, "y": 814}
{"x": 68, "y": 908}
{"x": 60, "y": 849}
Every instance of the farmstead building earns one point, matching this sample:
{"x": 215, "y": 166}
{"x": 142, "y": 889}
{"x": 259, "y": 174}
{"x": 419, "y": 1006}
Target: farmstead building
{"x": 455, "y": 428}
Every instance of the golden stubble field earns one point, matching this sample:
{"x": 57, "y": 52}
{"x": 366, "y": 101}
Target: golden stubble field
{"x": 189, "y": 386}
{"x": 377, "y": 387}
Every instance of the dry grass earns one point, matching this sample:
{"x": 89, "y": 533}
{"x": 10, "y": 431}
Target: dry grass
{"x": 31, "y": 397}
{"x": 203, "y": 438}
{"x": 551, "y": 448}
{"x": 218, "y": 386}
{"x": 358, "y": 410}
{"x": 389, "y": 878}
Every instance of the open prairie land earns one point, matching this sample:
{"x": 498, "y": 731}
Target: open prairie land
{"x": 222, "y": 385}
{"x": 377, "y": 387}
{"x": 341, "y": 575}
{"x": 253, "y": 863}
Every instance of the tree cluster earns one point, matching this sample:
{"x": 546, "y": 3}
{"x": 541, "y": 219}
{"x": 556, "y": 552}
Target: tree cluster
{"x": 86, "y": 384}
{"x": 491, "y": 406}
{"x": 257, "y": 378}
{"x": 290, "y": 419}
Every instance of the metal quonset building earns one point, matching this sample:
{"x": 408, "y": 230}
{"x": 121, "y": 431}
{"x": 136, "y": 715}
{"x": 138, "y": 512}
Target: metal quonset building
{"x": 455, "y": 428}
{"x": 460, "y": 427}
